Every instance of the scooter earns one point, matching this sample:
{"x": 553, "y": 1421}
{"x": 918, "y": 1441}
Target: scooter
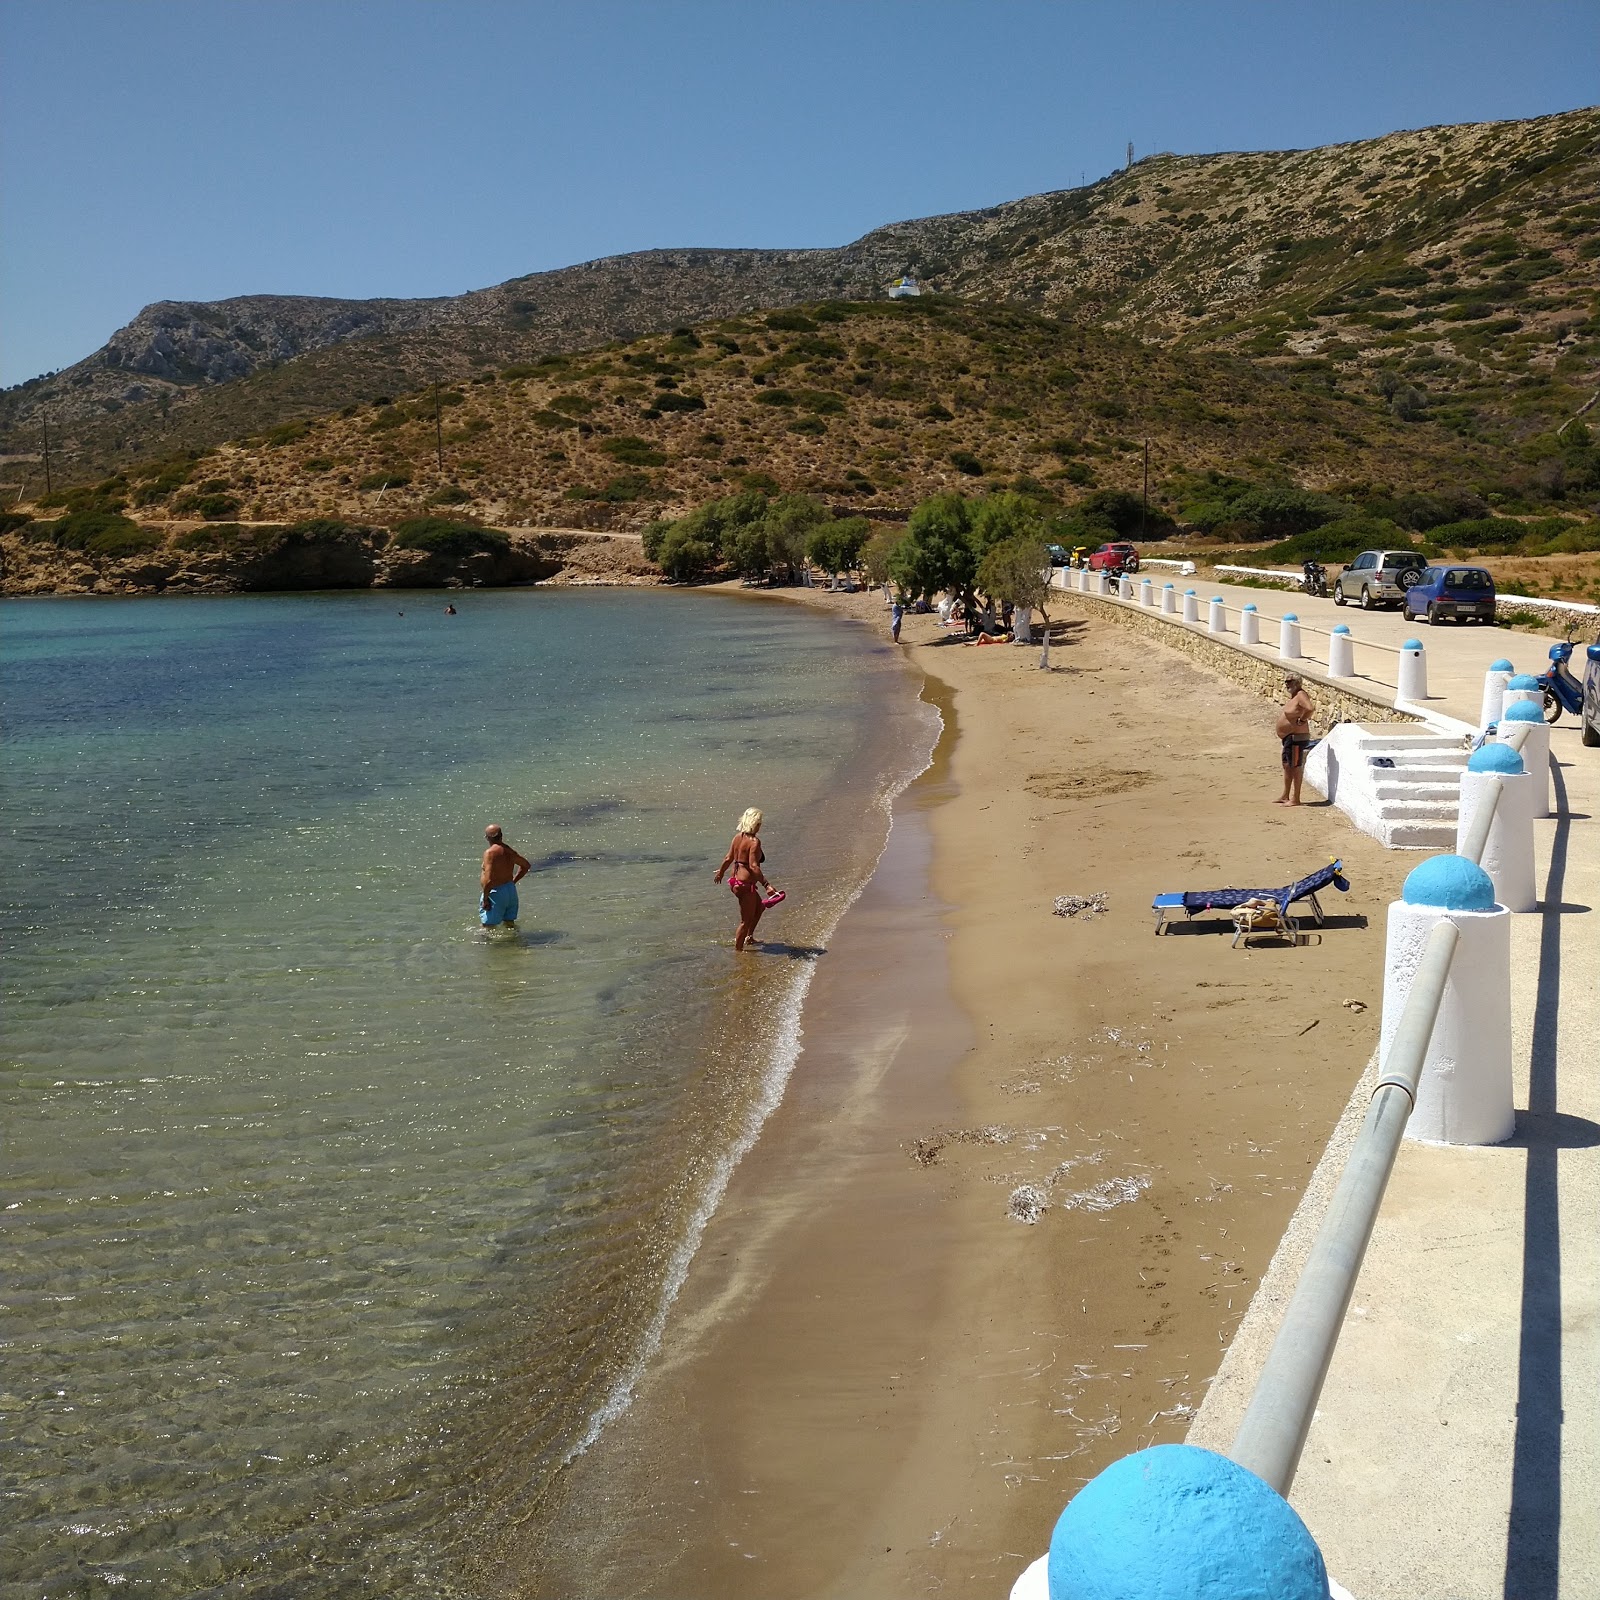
{"x": 1562, "y": 691}
{"x": 1315, "y": 579}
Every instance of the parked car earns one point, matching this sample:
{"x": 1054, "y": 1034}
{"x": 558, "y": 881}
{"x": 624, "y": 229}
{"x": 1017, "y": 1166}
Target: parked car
{"x": 1589, "y": 717}
{"x": 1465, "y": 594}
{"x": 1058, "y": 555}
{"x": 1378, "y": 577}
{"x": 1118, "y": 556}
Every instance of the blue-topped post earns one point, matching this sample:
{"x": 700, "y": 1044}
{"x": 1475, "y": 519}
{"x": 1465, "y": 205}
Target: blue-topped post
{"x": 1527, "y": 717}
{"x": 1191, "y": 606}
{"x": 1494, "y": 692}
{"x": 1289, "y": 637}
{"x": 1125, "y": 586}
{"x": 1169, "y": 600}
{"x": 1341, "y": 652}
{"x": 1412, "y": 680}
{"x": 1508, "y": 852}
{"x": 1175, "y": 1522}
{"x": 1464, "y": 1093}
{"x": 1250, "y": 624}
{"x": 1524, "y": 686}
{"x": 1147, "y": 592}
{"x": 1217, "y": 616}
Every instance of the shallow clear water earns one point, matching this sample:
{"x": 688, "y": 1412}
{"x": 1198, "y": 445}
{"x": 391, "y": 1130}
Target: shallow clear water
{"x": 331, "y": 1224}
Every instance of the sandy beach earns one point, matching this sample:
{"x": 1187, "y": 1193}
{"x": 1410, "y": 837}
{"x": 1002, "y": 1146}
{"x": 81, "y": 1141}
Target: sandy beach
{"x": 882, "y": 1378}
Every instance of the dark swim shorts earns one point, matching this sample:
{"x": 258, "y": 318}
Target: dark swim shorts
{"x": 1294, "y": 750}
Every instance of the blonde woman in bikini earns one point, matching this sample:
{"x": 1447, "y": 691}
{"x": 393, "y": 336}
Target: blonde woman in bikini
{"x": 746, "y": 879}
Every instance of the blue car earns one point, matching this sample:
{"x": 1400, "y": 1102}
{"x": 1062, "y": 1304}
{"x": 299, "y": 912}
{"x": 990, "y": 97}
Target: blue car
{"x": 1460, "y": 594}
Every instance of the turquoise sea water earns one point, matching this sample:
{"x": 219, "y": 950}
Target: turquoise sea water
{"x": 331, "y": 1224}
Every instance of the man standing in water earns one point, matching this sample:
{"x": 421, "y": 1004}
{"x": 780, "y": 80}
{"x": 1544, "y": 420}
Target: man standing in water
{"x": 503, "y": 870}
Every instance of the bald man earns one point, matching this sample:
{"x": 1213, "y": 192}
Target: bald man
{"x": 503, "y": 870}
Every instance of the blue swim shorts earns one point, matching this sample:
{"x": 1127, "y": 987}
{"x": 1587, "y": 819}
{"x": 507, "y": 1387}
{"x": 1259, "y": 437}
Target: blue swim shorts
{"x": 502, "y": 906}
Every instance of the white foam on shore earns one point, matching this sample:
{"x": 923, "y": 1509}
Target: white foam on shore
{"x": 785, "y": 1055}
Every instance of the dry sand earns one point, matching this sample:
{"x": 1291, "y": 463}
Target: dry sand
{"x": 878, "y": 1380}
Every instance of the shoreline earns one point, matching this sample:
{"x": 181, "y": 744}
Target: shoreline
{"x": 1152, "y": 1098}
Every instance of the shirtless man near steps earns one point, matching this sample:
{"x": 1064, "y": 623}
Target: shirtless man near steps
{"x": 1294, "y": 729}
{"x": 503, "y": 870}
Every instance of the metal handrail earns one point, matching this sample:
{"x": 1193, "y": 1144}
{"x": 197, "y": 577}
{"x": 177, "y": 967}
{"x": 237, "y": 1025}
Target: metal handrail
{"x": 1273, "y": 1432}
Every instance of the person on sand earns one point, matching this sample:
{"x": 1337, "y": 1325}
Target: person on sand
{"x": 1294, "y": 729}
{"x": 503, "y": 870}
{"x": 747, "y": 880}
{"x": 897, "y": 615}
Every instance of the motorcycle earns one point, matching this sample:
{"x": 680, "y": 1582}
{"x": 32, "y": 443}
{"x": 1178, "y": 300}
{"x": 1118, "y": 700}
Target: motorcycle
{"x": 1314, "y": 579}
{"x": 1562, "y": 691}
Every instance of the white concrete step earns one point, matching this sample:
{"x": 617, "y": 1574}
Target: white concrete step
{"x": 1447, "y": 793}
{"x": 1420, "y": 810}
{"x": 1429, "y": 761}
{"x": 1422, "y": 836}
{"x": 1381, "y": 743}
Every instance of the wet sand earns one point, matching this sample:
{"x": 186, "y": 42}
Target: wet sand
{"x": 879, "y": 1379}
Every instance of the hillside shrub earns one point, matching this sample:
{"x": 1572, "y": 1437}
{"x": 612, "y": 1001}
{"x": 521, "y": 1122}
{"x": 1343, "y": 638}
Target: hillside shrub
{"x": 546, "y": 418}
{"x": 630, "y": 450}
{"x": 221, "y": 536}
{"x": 79, "y": 530}
{"x": 624, "y": 487}
{"x": 285, "y": 433}
{"x": 10, "y": 521}
{"x": 319, "y": 464}
{"x": 791, "y": 322}
{"x": 451, "y": 494}
{"x": 389, "y": 417}
{"x": 774, "y": 397}
{"x": 213, "y": 507}
{"x": 822, "y": 402}
{"x": 965, "y": 461}
{"x": 1334, "y": 541}
{"x": 668, "y": 401}
{"x": 683, "y": 557}
{"x": 810, "y": 425}
{"x": 388, "y": 478}
{"x": 439, "y": 536}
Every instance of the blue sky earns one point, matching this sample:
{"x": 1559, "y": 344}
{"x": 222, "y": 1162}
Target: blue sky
{"x": 196, "y": 149}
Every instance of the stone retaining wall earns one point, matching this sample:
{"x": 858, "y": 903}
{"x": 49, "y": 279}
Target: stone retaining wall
{"x": 1336, "y": 699}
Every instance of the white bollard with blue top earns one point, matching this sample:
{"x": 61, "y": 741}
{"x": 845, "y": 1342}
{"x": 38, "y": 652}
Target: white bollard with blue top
{"x": 1289, "y": 637}
{"x": 1250, "y": 625}
{"x": 1535, "y": 748}
{"x": 1522, "y": 687}
{"x": 1125, "y": 586}
{"x": 1494, "y": 692}
{"x": 1191, "y": 606}
{"x": 1508, "y": 855}
{"x": 1147, "y": 592}
{"x": 1341, "y": 652}
{"x": 1217, "y": 620}
{"x": 1413, "y": 674}
{"x": 1176, "y": 1522}
{"x": 1102, "y": 584}
{"x": 1169, "y": 600}
{"x": 1464, "y": 1095}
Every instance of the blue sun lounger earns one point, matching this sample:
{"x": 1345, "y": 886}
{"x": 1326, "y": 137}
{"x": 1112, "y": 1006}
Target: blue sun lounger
{"x": 1198, "y": 901}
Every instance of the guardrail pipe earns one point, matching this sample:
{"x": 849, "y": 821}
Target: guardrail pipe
{"x": 1274, "y": 1429}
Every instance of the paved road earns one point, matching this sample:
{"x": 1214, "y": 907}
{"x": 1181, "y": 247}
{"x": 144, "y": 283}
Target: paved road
{"x": 1456, "y": 1450}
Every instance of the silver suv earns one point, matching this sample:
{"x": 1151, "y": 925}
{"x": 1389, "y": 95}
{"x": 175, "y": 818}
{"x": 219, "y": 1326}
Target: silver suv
{"x": 1378, "y": 577}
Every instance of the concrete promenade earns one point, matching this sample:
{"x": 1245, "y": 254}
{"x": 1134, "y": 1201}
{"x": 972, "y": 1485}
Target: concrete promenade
{"x": 1454, "y": 1453}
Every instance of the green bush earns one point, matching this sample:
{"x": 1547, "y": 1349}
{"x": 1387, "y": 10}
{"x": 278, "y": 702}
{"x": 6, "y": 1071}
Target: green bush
{"x": 10, "y": 521}
{"x": 451, "y": 494}
{"x": 683, "y": 557}
{"x": 319, "y": 464}
{"x": 774, "y": 397}
{"x": 388, "y": 478}
{"x": 631, "y": 451}
{"x": 1335, "y": 541}
{"x": 667, "y": 401}
{"x": 213, "y": 506}
{"x": 389, "y": 417}
{"x": 131, "y": 540}
{"x": 965, "y": 461}
{"x": 811, "y": 425}
{"x": 79, "y": 530}
{"x": 791, "y": 322}
{"x": 438, "y": 536}
{"x": 219, "y": 536}
{"x": 546, "y": 418}
{"x": 822, "y": 402}
{"x": 285, "y": 433}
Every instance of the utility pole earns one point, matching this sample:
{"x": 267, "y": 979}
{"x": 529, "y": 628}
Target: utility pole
{"x": 1144, "y": 505}
{"x": 1130, "y": 152}
{"x": 47, "y": 452}
{"x": 438, "y": 430}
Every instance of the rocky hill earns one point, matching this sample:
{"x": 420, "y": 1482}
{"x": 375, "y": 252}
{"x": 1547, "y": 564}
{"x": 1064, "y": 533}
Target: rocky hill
{"x": 874, "y": 405}
{"x": 1453, "y": 265}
